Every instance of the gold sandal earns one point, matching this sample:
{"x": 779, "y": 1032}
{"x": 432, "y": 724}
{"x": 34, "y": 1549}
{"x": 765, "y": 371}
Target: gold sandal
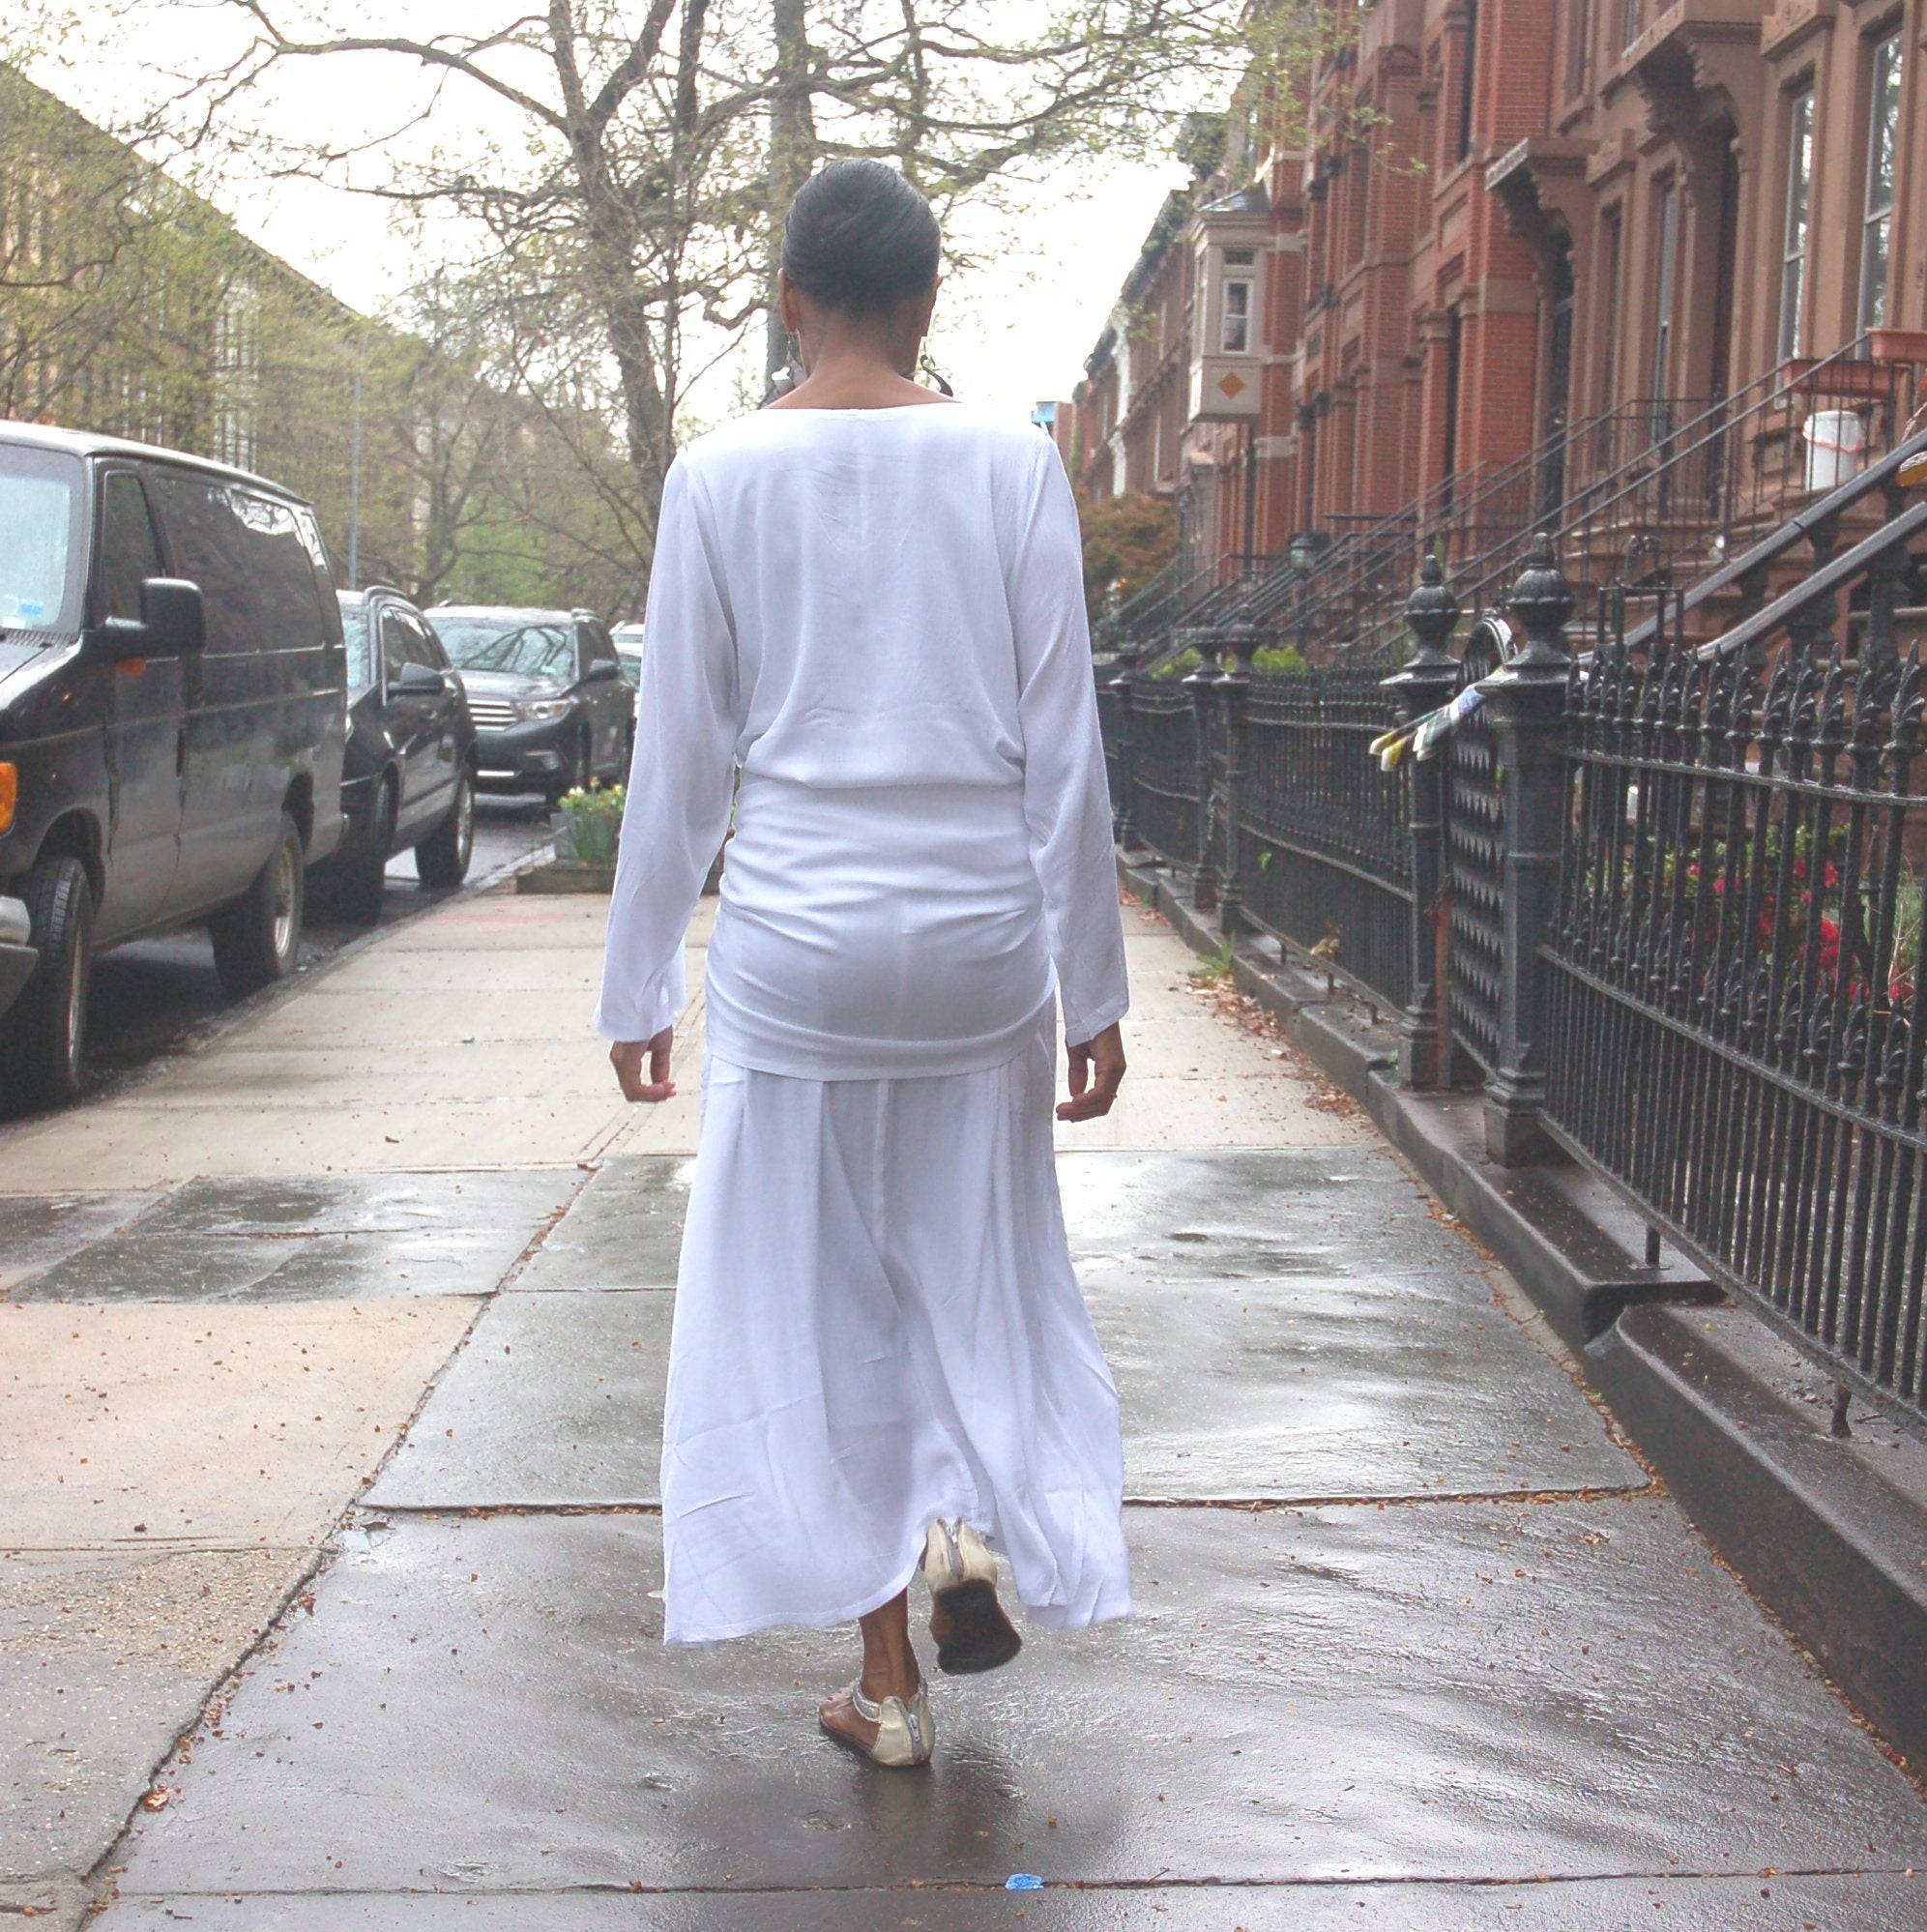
{"x": 906, "y": 1733}
{"x": 972, "y": 1632}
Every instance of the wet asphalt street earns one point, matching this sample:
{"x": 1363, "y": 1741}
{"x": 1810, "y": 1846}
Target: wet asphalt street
{"x": 160, "y": 996}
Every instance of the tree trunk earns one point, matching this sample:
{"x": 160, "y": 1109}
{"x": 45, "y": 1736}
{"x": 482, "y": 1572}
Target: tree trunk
{"x": 792, "y": 154}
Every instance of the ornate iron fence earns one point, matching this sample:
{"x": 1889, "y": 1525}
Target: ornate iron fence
{"x": 1474, "y": 858}
{"x": 1328, "y": 853}
{"x": 1164, "y": 771}
{"x": 1668, "y": 903}
{"x": 1736, "y": 1018}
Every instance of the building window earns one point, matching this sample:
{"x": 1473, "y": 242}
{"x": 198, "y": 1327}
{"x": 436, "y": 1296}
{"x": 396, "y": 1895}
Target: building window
{"x": 1468, "y": 78}
{"x": 1578, "y": 31}
{"x": 1234, "y": 327}
{"x": 1614, "y": 230}
{"x": 1663, "y": 286}
{"x": 1883, "y": 134}
{"x": 1629, "y": 22}
{"x": 1793, "y": 248}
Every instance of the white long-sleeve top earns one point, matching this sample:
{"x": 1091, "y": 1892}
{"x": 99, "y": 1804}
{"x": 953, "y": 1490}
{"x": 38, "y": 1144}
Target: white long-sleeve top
{"x": 875, "y": 618}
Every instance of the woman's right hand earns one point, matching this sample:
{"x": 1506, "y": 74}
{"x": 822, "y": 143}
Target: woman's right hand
{"x": 628, "y": 1058}
{"x": 1096, "y": 1070}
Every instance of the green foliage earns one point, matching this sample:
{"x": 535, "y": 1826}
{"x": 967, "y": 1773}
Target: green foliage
{"x": 1274, "y": 660}
{"x": 1127, "y": 539}
{"x": 589, "y": 823}
{"x": 1217, "y": 967}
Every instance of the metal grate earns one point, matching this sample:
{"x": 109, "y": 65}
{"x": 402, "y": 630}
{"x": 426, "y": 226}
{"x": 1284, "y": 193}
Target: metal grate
{"x": 1327, "y": 858}
{"x": 1737, "y": 1031}
{"x": 490, "y": 715}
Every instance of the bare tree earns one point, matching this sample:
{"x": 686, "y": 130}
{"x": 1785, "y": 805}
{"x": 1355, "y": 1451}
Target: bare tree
{"x": 641, "y": 153}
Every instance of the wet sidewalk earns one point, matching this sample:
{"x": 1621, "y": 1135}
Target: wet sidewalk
{"x": 1419, "y": 1644}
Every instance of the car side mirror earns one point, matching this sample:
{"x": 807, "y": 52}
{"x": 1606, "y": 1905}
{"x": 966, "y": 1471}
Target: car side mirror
{"x": 174, "y": 616}
{"x": 419, "y": 680}
{"x": 600, "y": 671}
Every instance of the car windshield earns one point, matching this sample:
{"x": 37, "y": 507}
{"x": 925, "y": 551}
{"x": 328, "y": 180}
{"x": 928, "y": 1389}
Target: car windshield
{"x": 355, "y": 630}
{"x": 507, "y": 644}
{"x": 40, "y": 539}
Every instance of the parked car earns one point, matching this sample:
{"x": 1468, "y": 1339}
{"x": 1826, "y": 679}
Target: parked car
{"x": 551, "y": 707}
{"x": 629, "y": 641}
{"x": 171, "y": 723}
{"x": 408, "y": 778}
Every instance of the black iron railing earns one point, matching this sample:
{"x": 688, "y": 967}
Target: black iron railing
{"x": 1475, "y": 866}
{"x": 1734, "y": 1001}
{"x": 1328, "y": 857}
{"x": 1163, "y": 786}
{"x": 1663, "y": 903}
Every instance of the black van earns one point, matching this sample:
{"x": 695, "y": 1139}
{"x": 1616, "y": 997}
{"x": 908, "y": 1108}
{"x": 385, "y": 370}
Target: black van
{"x": 171, "y": 723}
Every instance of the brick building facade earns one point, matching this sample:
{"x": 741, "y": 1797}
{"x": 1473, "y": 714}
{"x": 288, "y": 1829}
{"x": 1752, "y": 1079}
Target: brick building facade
{"x": 1505, "y": 248}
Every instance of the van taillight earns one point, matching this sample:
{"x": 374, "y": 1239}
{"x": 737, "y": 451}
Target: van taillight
{"x": 9, "y": 795}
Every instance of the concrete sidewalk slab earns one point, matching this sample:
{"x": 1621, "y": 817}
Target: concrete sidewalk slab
{"x": 140, "y": 1267}
{"x": 624, "y": 1230}
{"x": 1302, "y": 1388}
{"x": 122, "y": 1145}
{"x": 514, "y": 1200}
{"x": 1226, "y": 1215}
{"x": 556, "y": 1401}
{"x": 106, "y": 1659}
{"x": 494, "y": 919}
{"x": 1460, "y": 1691}
{"x": 292, "y": 1078}
{"x": 146, "y": 1424}
{"x": 1863, "y": 1902}
{"x": 309, "y": 1238}
{"x": 37, "y": 1231}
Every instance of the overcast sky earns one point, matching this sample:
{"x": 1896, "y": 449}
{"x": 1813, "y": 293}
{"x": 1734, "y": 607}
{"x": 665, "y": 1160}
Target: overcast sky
{"x": 1007, "y": 333}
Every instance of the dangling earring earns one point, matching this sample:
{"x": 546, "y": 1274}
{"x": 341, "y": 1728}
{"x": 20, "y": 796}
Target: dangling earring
{"x": 795, "y": 359}
{"x": 931, "y": 370}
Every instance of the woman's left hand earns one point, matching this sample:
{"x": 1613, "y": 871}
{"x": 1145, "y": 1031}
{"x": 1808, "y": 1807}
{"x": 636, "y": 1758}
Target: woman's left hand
{"x": 629, "y": 1056}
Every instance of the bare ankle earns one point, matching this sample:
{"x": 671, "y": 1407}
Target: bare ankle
{"x": 895, "y": 1678}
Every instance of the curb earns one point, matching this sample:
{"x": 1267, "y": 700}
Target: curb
{"x": 1831, "y": 1536}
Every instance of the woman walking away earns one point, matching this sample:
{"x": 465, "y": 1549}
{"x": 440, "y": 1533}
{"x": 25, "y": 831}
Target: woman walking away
{"x": 868, "y": 601}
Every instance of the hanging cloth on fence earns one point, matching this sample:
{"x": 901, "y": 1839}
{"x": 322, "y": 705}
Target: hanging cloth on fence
{"x": 1421, "y": 737}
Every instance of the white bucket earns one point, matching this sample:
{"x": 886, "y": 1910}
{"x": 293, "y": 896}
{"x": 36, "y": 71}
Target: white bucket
{"x": 1836, "y": 441}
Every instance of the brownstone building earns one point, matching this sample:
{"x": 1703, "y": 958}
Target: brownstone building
{"x": 1507, "y": 262}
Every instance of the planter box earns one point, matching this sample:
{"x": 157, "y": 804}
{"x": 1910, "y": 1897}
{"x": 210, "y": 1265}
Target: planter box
{"x": 1897, "y": 346}
{"x": 566, "y": 876}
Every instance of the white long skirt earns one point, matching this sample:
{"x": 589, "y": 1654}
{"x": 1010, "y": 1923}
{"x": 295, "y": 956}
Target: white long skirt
{"x": 877, "y": 1323}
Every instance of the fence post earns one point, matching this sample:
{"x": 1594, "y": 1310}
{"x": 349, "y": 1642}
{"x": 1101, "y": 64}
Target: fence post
{"x": 1526, "y": 702}
{"x": 1123, "y": 685}
{"x": 1202, "y": 684}
{"x": 1234, "y": 687}
{"x": 1430, "y": 680}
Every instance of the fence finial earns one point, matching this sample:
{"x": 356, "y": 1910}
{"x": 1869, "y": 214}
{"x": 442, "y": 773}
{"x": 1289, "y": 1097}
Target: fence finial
{"x": 1431, "y": 615}
{"x": 1542, "y": 602}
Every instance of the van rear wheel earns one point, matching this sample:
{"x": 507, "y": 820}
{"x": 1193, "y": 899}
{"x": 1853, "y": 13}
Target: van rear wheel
{"x": 46, "y": 1028}
{"x": 257, "y": 938}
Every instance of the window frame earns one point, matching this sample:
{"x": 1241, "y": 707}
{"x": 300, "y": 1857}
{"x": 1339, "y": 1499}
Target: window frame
{"x": 1247, "y": 285}
{"x": 1665, "y": 283}
{"x": 1883, "y": 134}
{"x": 1796, "y": 217}
{"x": 111, "y": 475}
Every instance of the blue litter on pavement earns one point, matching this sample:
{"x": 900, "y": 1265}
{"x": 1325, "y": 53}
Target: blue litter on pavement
{"x": 1022, "y": 1882}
